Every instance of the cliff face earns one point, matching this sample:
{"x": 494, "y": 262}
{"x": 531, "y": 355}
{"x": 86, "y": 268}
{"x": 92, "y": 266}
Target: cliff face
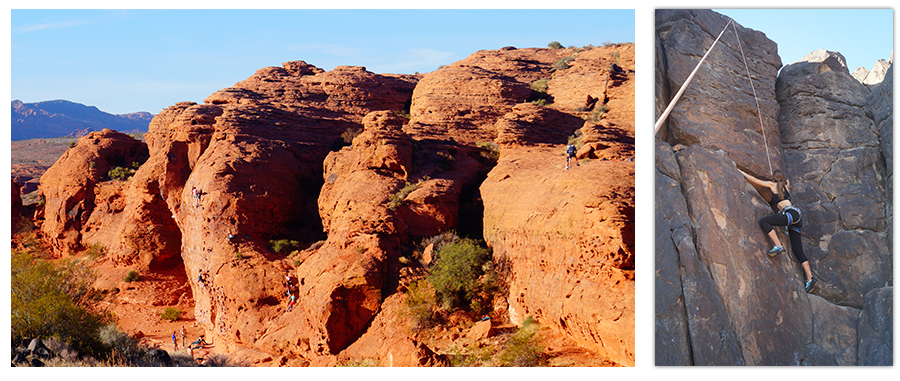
{"x": 269, "y": 159}
{"x": 720, "y": 300}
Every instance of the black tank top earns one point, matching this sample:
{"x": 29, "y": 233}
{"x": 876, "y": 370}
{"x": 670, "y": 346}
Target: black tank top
{"x": 776, "y": 198}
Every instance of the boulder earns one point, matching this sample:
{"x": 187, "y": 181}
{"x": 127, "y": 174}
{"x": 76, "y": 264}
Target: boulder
{"x": 481, "y": 330}
{"x": 68, "y": 187}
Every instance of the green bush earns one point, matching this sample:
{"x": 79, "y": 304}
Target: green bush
{"x": 455, "y": 274}
{"x": 539, "y": 85}
{"x": 171, "y": 314}
{"x": 96, "y": 250}
{"x": 563, "y": 63}
{"x": 284, "y": 246}
{"x": 524, "y": 347}
{"x": 54, "y": 299}
{"x": 396, "y": 199}
{"x": 121, "y": 343}
{"x": 418, "y": 305}
{"x": 132, "y": 276}
{"x": 120, "y": 173}
{"x": 490, "y": 150}
{"x": 555, "y": 45}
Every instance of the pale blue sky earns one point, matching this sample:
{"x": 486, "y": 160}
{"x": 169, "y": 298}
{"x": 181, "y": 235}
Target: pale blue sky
{"x": 125, "y": 61}
{"x": 862, "y": 36}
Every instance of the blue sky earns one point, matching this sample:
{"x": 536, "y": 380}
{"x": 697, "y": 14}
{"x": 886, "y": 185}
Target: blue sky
{"x": 125, "y": 61}
{"x": 862, "y": 36}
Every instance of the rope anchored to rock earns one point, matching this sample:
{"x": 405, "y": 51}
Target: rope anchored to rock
{"x": 674, "y": 100}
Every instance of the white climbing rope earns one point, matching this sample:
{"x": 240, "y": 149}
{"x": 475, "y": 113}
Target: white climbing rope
{"x": 758, "y": 110}
{"x": 665, "y": 114}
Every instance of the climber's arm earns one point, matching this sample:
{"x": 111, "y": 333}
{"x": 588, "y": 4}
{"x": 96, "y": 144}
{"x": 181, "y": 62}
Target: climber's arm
{"x": 758, "y": 182}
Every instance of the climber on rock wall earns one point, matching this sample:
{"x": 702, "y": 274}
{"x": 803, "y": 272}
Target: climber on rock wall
{"x": 786, "y": 215}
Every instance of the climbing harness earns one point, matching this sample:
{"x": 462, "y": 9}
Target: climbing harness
{"x": 793, "y": 225}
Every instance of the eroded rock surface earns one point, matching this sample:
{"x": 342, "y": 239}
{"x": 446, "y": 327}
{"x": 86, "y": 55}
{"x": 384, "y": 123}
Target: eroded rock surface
{"x": 321, "y": 157}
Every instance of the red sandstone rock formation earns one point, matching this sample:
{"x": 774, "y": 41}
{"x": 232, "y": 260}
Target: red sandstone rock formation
{"x": 266, "y": 159}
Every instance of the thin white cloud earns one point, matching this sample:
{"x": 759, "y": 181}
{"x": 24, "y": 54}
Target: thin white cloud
{"x": 115, "y": 15}
{"x": 49, "y": 25}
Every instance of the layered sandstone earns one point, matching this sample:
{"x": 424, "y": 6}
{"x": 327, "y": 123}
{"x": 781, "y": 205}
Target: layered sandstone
{"x": 269, "y": 159}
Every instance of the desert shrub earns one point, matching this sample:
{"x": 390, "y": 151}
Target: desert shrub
{"x": 455, "y": 274}
{"x": 616, "y": 56}
{"x": 217, "y": 360}
{"x": 171, "y": 314}
{"x": 563, "y": 63}
{"x": 131, "y": 276}
{"x": 490, "y": 150}
{"x": 121, "y": 343}
{"x": 54, "y": 299}
{"x": 540, "y": 102}
{"x": 555, "y": 45}
{"x": 396, "y": 199}
{"x": 539, "y": 85}
{"x": 599, "y": 112}
{"x": 524, "y": 347}
{"x": 96, "y": 250}
{"x": 120, "y": 173}
{"x": 420, "y": 300}
{"x": 351, "y": 133}
{"x": 576, "y": 139}
{"x": 284, "y": 246}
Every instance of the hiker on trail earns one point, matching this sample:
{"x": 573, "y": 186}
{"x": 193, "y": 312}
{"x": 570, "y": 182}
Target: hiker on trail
{"x": 174, "y": 340}
{"x": 786, "y": 215}
{"x": 570, "y": 154}
{"x": 183, "y": 336}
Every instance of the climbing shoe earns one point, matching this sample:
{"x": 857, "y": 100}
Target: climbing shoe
{"x": 810, "y": 284}
{"x": 775, "y": 251}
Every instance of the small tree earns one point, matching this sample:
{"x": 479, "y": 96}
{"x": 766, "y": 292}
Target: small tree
{"x": 456, "y": 271}
{"x": 54, "y": 299}
{"x": 171, "y": 314}
{"x": 555, "y": 45}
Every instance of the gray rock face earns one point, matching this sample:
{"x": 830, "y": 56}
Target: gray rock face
{"x": 718, "y": 109}
{"x": 876, "y": 328}
{"x": 833, "y": 154}
{"x": 720, "y": 300}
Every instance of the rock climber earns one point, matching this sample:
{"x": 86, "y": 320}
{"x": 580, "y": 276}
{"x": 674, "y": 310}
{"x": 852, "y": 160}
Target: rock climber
{"x": 199, "y": 343}
{"x": 287, "y": 285}
{"x": 174, "y": 340}
{"x": 291, "y": 303}
{"x": 196, "y": 193}
{"x": 570, "y": 154}
{"x": 183, "y": 336}
{"x": 786, "y": 215}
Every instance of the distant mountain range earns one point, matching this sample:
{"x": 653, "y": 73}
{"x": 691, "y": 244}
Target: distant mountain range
{"x": 61, "y": 118}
